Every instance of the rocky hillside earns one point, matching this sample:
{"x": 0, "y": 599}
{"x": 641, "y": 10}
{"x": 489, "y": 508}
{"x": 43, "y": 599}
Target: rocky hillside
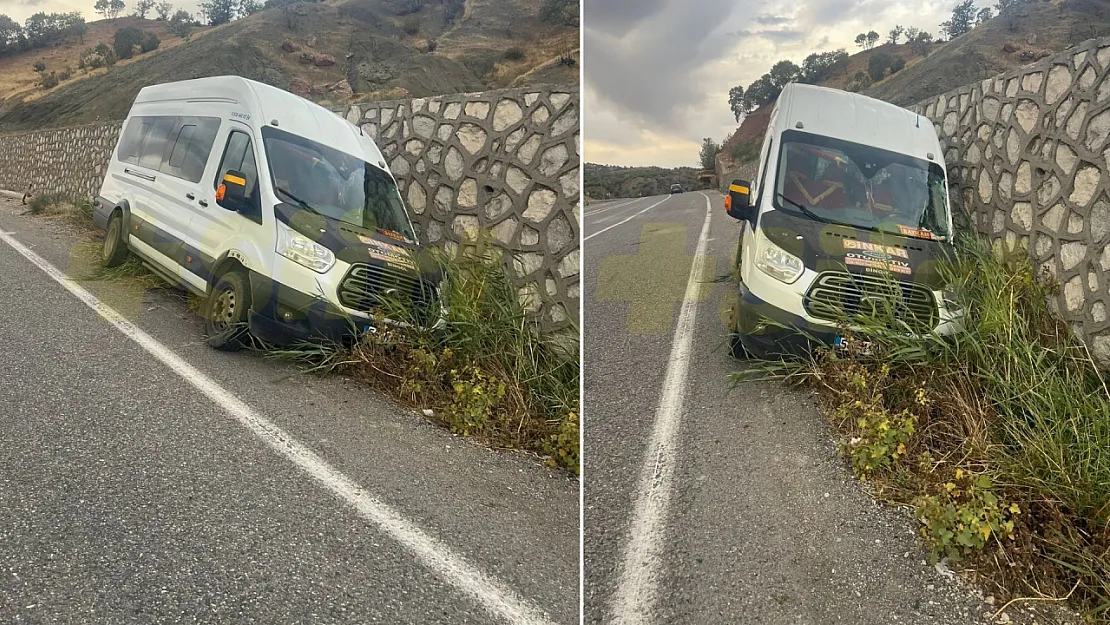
{"x": 1000, "y": 44}
{"x": 610, "y": 181}
{"x": 334, "y": 51}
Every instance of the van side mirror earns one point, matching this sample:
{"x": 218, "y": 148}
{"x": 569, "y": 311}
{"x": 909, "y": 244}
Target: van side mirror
{"x": 232, "y": 192}
{"x": 738, "y": 203}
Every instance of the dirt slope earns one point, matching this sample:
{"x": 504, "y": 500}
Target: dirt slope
{"x": 380, "y": 48}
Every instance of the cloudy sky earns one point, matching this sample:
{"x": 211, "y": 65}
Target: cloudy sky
{"x": 657, "y": 72}
{"x": 20, "y": 10}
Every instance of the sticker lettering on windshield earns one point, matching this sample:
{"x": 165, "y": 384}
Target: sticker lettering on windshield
{"x": 888, "y": 250}
{"x": 920, "y": 233}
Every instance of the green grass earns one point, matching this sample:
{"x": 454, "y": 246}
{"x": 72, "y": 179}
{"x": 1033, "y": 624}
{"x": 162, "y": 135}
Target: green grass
{"x": 490, "y": 373}
{"x": 1006, "y": 459}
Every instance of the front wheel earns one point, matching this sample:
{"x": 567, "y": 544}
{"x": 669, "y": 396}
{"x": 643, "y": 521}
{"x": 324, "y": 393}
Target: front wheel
{"x": 225, "y": 312}
{"x": 114, "y": 251}
{"x": 736, "y": 348}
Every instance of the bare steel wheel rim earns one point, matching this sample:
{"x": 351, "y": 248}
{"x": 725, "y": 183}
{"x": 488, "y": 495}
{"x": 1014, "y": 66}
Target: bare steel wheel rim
{"x": 223, "y": 309}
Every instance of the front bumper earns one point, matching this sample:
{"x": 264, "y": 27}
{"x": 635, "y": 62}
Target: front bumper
{"x": 787, "y": 334}
{"x": 790, "y": 334}
{"x": 283, "y": 315}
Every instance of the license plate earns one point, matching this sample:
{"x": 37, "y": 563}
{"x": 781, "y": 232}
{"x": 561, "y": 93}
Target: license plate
{"x": 843, "y": 344}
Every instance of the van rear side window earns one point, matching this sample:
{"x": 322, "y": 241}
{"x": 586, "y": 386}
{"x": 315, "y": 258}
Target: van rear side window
{"x": 174, "y": 145}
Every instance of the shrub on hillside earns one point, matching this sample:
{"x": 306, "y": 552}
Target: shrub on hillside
{"x": 49, "y": 80}
{"x": 150, "y": 42}
{"x": 878, "y": 64}
{"x": 181, "y": 24}
{"x": 897, "y": 65}
{"x": 39, "y": 66}
{"x": 514, "y": 54}
{"x": 411, "y": 24}
{"x": 124, "y": 41}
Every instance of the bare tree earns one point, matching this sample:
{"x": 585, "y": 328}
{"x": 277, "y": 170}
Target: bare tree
{"x": 895, "y": 33}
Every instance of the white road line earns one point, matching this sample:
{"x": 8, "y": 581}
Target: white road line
{"x": 617, "y": 205}
{"x": 490, "y": 593}
{"x": 627, "y": 219}
{"x": 637, "y": 583}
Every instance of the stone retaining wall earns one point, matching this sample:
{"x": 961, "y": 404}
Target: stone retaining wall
{"x": 1029, "y": 154}
{"x": 70, "y": 161}
{"x": 504, "y": 163}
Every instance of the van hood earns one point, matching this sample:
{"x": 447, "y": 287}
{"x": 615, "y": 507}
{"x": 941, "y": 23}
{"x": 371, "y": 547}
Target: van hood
{"x": 353, "y": 244}
{"x": 835, "y": 247}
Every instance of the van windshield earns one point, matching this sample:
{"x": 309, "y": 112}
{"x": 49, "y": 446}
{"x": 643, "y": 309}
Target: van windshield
{"x": 335, "y": 184}
{"x": 858, "y": 185}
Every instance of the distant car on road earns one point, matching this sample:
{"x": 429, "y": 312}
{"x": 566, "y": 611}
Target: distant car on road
{"x": 676, "y": 188}
{"x": 850, "y": 215}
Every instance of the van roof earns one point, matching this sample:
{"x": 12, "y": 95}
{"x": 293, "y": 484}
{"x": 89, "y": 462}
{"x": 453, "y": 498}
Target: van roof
{"x": 859, "y": 119}
{"x": 264, "y": 104}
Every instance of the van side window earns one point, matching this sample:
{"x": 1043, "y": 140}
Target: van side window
{"x": 131, "y": 143}
{"x": 190, "y": 146}
{"x": 154, "y": 146}
{"x": 239, "y": 156}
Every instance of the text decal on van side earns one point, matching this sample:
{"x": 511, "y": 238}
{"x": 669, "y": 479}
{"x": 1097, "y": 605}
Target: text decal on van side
{"x": 888, "y": 250}
{"x": 241, "y": 116}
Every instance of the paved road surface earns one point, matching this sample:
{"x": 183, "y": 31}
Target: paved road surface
{"x": 128, "y": 495}
{"x": 747, "y": 515}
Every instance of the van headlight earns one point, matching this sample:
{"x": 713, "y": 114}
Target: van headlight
{"x": 299, "y": 249}
{"x": 775, "y": 261}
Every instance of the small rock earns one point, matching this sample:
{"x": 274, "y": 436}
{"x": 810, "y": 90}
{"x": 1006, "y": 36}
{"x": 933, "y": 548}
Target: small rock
{"x": 1010, "y": 48}
{"x": 307, "y": 58}
{"x": 325, "y": 60}
{"x": 311, "y": 41}
{"x": 300, "y": 87}
{"x": 289, "y": 46}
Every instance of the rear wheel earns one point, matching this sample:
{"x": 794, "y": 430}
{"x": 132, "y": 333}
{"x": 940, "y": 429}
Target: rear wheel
{"x": 114, "y": 251}
{"x": 225, "y": 312}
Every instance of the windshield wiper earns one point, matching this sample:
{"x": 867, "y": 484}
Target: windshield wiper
{"x": 814, "y": 216}
{"x": 299, "y": 202}
{"x": 808, "y": 213}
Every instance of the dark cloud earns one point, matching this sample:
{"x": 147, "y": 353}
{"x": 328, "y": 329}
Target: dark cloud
{"x": 647, "y": 71}
{"x": 658, "y": 71}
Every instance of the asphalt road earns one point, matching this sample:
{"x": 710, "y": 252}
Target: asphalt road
{"x": 743, "y": 513}
{"x": 175, "y": 484}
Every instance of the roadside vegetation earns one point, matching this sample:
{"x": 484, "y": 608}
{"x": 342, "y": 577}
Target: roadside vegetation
{"x": 490, "y": 374}
{"x": 997, "y": 439}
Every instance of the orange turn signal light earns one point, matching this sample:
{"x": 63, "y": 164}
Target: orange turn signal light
{"x": 728, "y": 202}
{"x": 220, "y": 191}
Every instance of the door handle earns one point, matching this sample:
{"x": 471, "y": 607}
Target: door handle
{"x": 204, "y": 202}
{"x": 190, "y": 196}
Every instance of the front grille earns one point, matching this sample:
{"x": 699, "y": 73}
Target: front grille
{"x": 366, "y": 287}
{"x": 836, "y": 294}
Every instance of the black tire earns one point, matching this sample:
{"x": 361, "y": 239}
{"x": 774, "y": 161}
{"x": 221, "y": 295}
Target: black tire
{"x": 225, "y": 312}
{"x": 736, "y": 348}
{"x": 114, "y": 251}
